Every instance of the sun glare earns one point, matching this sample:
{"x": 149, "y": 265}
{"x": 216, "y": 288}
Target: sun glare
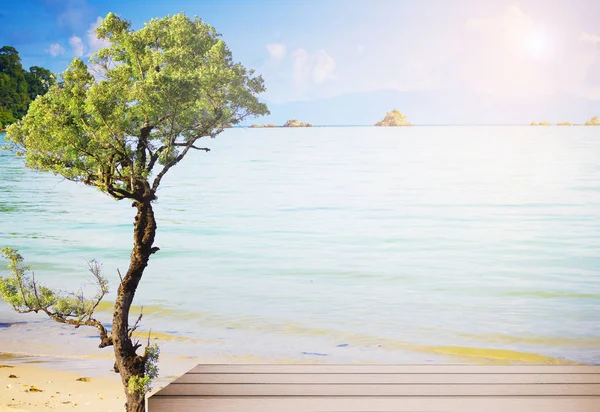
{"x": 538, "y": 44}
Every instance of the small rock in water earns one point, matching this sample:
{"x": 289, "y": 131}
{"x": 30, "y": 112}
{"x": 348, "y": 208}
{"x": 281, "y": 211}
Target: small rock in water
{"x": 6, "y": 366}
{"x": 343, "y": 345}
{"x": 13, "y": 376}
{"x": 314, "y": 353}
{"x": 84, "y": 379}
{"x": 34, "y": 389}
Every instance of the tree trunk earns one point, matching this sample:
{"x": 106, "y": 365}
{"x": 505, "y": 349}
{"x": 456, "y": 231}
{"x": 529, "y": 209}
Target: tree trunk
{"x": 135, "y": 402}
{"x": 127, "y": 362}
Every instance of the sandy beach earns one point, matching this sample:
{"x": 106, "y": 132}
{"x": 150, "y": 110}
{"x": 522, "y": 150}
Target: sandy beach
{"x": 34, "y": 388}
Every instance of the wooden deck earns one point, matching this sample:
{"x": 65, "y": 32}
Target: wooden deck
{"x": 382, "y": 388}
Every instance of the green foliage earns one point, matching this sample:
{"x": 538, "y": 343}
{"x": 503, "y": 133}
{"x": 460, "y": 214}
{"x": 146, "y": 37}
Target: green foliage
{"x": 120, "y": 125}
{"x": 6, "y": 117}
{"x": 142, "y": 384}
{"x": 393, "y": 118}
{"x": 396, "y": 114}
{"x": 152, "y": 94}
{"x": 17, "y": 86}
{"x": 594, "y": 121}
{"x": 24, "y": 294}
{"x": 39, "y": 81}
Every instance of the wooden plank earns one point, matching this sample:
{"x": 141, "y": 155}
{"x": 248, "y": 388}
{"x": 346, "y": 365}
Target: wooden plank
{"x": 179, "y": 389}
{"x": 373, "y": 404}
{"x": 448, "y": 368}
{"x": 460, "y": 378}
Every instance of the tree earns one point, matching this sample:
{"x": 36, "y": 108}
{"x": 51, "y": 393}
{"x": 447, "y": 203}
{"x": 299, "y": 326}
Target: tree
{"x": 18, "y": 87}
{"x": 155, "y": 93}
{"x": 39, "y": 81}
{"x": 13, "y": 86}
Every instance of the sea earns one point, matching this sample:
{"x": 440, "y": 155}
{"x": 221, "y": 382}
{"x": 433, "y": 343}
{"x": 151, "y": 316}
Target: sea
{"x": 425, "y": 244}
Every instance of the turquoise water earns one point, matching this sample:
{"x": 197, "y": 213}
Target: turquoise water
{"x": 423, "y": 244}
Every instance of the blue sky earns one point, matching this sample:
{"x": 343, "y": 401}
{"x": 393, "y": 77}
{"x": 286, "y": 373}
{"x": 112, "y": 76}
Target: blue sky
{"x": 315, "y": 49}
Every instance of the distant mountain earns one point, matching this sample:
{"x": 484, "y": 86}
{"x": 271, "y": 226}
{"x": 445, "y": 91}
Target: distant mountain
{"x": 436, "y": 108}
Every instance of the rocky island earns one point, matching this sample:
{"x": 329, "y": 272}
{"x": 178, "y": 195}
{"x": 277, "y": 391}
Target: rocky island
{"x": 262, "y": 125}
{"x": 594, "y": 121}
{"x": 393, "y": 118}
{"x": 296, "y": 123}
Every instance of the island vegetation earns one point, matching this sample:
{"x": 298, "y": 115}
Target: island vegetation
{"x": 594, "y": 121}
{"x": 296, "y": 123}
{"x": 255, "y": 125}
{"x": 393, "y": 118}
{"x": 165, "y": 87}
{"x": 18, "y": 87}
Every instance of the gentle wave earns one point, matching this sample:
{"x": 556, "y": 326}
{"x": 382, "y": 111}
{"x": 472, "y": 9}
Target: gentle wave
{"x": 463, "y": 243}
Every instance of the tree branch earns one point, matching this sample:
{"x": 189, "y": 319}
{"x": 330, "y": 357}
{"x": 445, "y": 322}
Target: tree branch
{"x": 120, "y": 194}
{"x": 135, "y": 325}
{"x": 25, "y": 295}
{"x": 206, "y": 149}
{"x": 187, "y": 146}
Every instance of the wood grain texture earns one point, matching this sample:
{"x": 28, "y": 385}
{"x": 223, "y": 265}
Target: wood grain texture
{"x": 387, "y": 378}
{"x": 388, "y": 404}
{"x": 234, "y": 389}
{"x": 382, "y": 388}
{"x": 233, "y": 368}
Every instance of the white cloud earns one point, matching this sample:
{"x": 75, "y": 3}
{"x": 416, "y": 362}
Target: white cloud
{"x": 299, "y": 70}
{"x": 313, "y": 68}
{"x": 591, "y": 38}
{"x": 77, "y": 45}
{"x": 93, "y": 42}
{"x": 73, "y": 14}
{"x": 360, "y": 49}
{"x": 55, "y": 50}
{"x": 324, "y": 67}
{"x": 276, "y": 51}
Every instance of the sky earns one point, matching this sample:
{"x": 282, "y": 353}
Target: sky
{"x": 315, "y": 49}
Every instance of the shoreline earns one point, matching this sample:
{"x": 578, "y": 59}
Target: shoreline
{"x": 188, "y": 341}
{"x": 36, "y": 383}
